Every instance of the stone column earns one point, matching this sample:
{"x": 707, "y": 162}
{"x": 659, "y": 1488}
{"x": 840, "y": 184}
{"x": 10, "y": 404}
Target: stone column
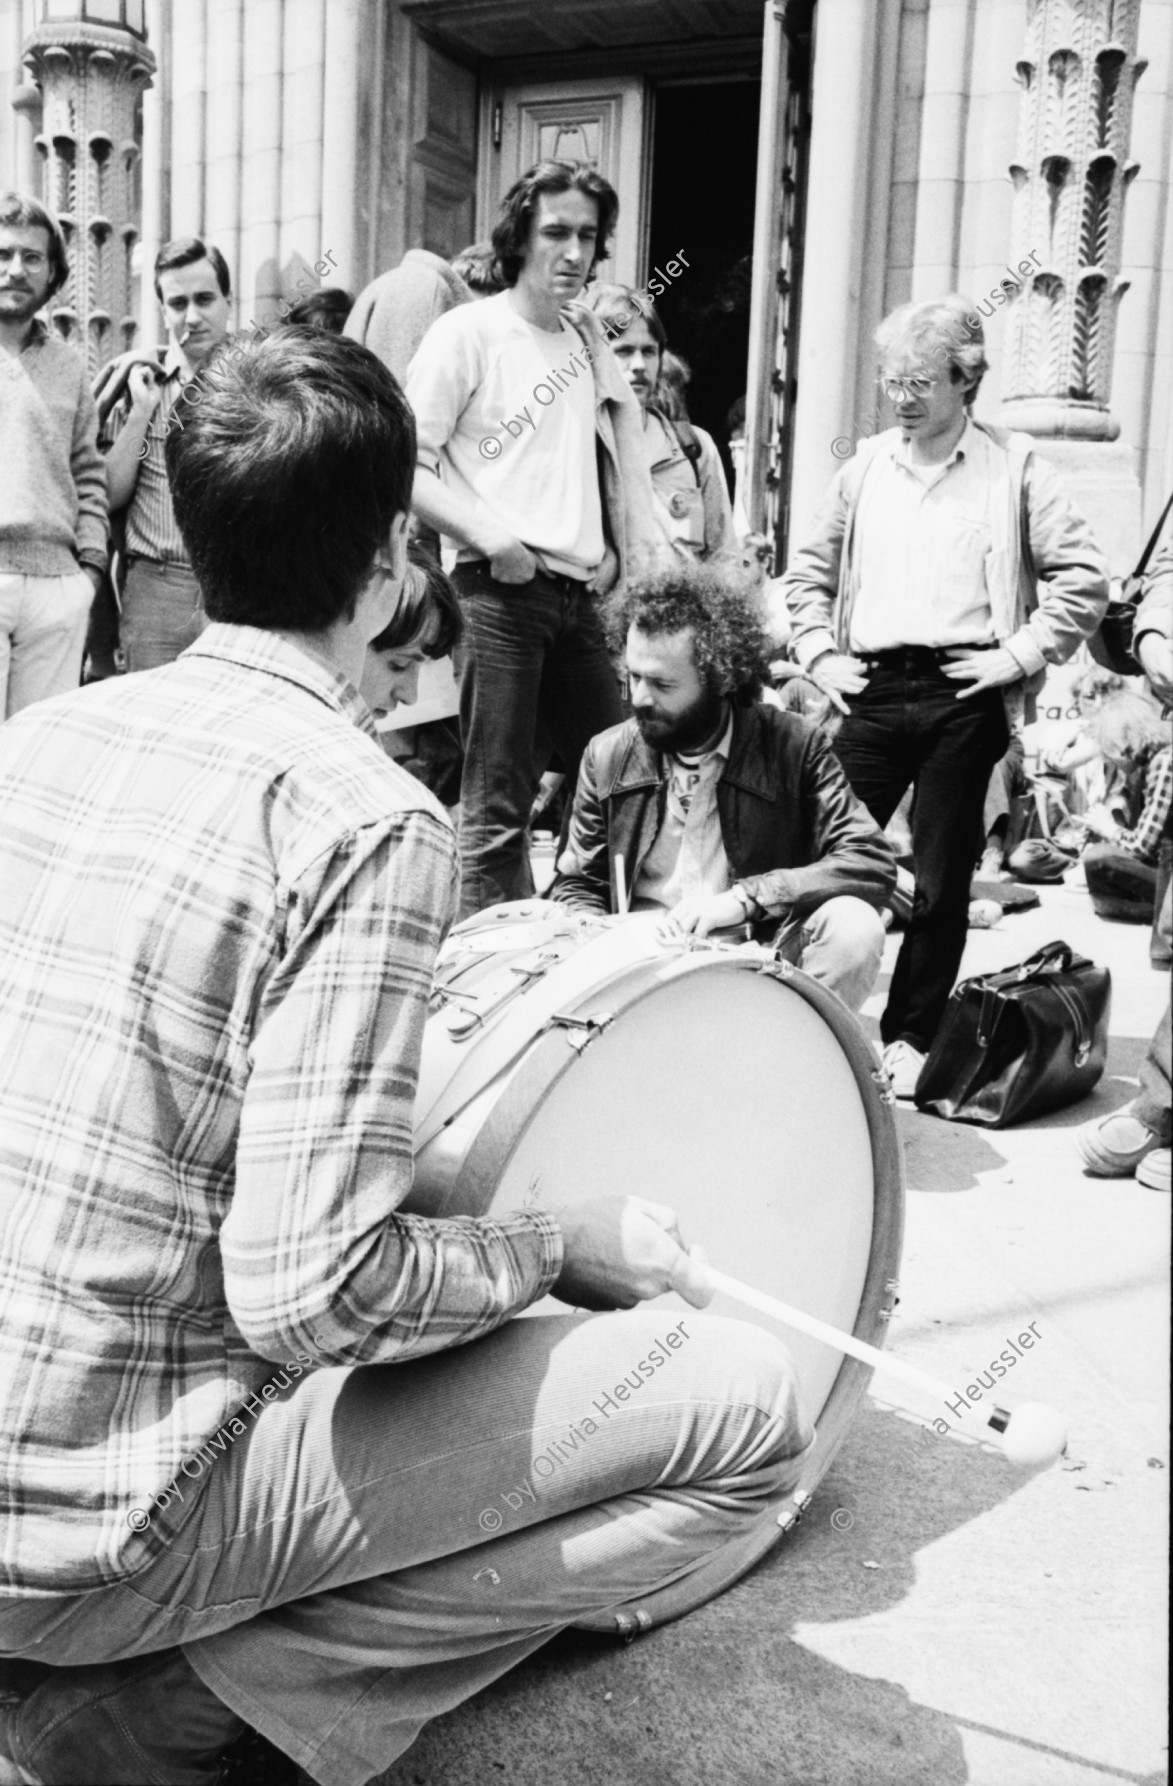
{"x": 340, "y": 138}
{"x": 90, "y": 78}
{"x": 1077, "y": 71}
{"x": 853, "y": 111}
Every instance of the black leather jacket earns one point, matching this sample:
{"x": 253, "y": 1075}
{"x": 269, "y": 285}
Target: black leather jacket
{"x": 793, "y": 831}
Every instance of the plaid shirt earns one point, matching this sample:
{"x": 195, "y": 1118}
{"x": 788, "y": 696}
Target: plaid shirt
{"x": 219, "y": 911}
{"x": 1144, "y": 839}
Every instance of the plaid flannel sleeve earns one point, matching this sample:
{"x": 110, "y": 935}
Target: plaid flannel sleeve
{"x": 1144, "y": 840}
{"x": 316, "y": 1257}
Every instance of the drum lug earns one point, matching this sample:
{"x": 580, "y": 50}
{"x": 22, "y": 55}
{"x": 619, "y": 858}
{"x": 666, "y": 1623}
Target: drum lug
{"x": 883, "y": 1085}
{"x": 777, "y": 968}
{"x": 793, "y": 1512}
{"x": 589, "y": 1027}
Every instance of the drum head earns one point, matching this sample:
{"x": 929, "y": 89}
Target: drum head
{"x": 725, "y": 1093}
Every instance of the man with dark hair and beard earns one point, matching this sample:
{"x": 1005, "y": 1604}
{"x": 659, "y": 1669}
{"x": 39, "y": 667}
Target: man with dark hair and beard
{"x": 723, "y": 811}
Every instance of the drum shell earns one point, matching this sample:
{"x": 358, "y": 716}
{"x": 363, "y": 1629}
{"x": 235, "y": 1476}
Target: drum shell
{"x": 548, "y": 1118}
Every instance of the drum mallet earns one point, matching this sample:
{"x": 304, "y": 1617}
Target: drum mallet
{"x": 1032, "y": 1435}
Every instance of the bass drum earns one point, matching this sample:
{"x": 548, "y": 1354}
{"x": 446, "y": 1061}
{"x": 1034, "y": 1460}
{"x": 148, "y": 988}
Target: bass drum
{"x": 567, "y": 1056}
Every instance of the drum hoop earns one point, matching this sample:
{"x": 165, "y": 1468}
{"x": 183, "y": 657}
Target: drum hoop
{"x": 851, "y": 1380}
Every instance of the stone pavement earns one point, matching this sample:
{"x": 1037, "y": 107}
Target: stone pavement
{"x": 938, "y": 1617}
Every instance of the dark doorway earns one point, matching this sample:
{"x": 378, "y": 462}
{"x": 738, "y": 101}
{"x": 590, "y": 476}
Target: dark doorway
{"x": 704, "y": 164}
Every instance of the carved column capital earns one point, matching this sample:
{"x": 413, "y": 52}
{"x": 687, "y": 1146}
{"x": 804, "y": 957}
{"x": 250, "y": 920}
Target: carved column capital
{"x": 1071, "y": 171}
{"x": 90, "y": 77}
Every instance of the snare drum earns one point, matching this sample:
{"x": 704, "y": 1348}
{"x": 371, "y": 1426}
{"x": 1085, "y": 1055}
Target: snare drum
{"x": 568, "y": 1055}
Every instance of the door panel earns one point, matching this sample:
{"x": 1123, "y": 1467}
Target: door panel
{"x": 606, "y": 123}
{"x": 442, "y": 156}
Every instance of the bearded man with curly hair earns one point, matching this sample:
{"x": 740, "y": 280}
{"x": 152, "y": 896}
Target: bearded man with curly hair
{"x": 716, "y": 807}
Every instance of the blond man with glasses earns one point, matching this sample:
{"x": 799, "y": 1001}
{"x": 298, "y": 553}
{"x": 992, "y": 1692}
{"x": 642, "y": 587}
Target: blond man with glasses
{"x": 945, "y": 571}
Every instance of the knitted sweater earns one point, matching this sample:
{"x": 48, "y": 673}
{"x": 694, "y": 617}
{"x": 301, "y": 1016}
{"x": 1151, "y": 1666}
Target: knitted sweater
{"x": 52, "y": 477}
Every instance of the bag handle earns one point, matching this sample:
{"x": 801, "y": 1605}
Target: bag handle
{"x": 1142, "y": 562}
{"x": 1081, "y": 1017}
{"x": 1058, "y": 957}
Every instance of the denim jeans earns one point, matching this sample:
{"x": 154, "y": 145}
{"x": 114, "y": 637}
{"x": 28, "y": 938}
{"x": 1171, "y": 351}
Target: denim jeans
{"x": 537, "y": 666}
{"x": 386, "y": 1540}
{"x": 840, "y": 944}
{"x": 162, "y": 613}
{"x": 908, "y": 728}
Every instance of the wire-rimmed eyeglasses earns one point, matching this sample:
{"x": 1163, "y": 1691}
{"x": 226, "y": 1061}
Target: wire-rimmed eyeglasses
{"x": 896, "y": 388}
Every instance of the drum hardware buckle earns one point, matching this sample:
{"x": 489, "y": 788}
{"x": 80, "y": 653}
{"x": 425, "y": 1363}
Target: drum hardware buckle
{"x": 777, "y": 968}
{"x": 883, "y": 1085}
{"x": 464, "y": 1022}
{"x": 590, "y": 1026}
{"x": 630, "y": 1624}
{"x": 793, "y": 1512}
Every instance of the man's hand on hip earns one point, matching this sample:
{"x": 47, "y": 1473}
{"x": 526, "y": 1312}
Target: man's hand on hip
{"x": 982, "y": 670}
{"x": 510, "y": 561}
{"x": 605, "y": 577}
{"x": 838, "y": 676}
{"x": 619, "y": 1251}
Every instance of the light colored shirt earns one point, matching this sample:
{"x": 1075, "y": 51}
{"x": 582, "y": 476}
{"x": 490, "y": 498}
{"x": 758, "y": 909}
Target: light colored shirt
{"x": 151, "y": 528}
{"x": 505, "y": 413}
{"x": 924, "y": 534}
{"x": 52, "y": 478}
{"x": 219, "y": 915}
{"x": 688, "y": 855}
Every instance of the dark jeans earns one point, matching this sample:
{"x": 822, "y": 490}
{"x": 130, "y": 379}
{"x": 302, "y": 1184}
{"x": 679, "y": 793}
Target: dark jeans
{"x": 1121, "y": 886}
{"x": 536, "y": 664}
{"x": 909, "y": 728}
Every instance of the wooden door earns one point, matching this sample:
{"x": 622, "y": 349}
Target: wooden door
{"x": 606, "y": 123}
{"x": 441, "y": 169}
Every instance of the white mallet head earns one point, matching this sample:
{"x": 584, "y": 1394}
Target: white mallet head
{"x": 1034, "y": 1436}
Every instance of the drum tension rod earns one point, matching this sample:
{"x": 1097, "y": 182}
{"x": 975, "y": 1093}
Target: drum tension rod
{"x": 590, "y": 1026}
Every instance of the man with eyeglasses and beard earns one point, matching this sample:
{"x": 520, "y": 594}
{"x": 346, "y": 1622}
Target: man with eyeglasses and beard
{"x": 945, "y": 570}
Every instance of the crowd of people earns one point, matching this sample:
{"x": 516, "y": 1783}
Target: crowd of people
{"x": 222, "y": 901}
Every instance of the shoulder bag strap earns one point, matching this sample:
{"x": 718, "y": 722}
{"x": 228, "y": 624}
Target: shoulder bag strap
{"x": 1142, "y": 562}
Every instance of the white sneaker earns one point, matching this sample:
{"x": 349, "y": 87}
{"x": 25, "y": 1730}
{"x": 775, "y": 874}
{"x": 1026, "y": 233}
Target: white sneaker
{"x": 903, "y": 1063}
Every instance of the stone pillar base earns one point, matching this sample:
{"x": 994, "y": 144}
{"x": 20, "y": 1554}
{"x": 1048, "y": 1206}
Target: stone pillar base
{"x": 1100, "y": 476}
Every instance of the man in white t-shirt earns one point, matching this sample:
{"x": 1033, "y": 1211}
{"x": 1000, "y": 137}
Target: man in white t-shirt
{"x": 531, "y": 462}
